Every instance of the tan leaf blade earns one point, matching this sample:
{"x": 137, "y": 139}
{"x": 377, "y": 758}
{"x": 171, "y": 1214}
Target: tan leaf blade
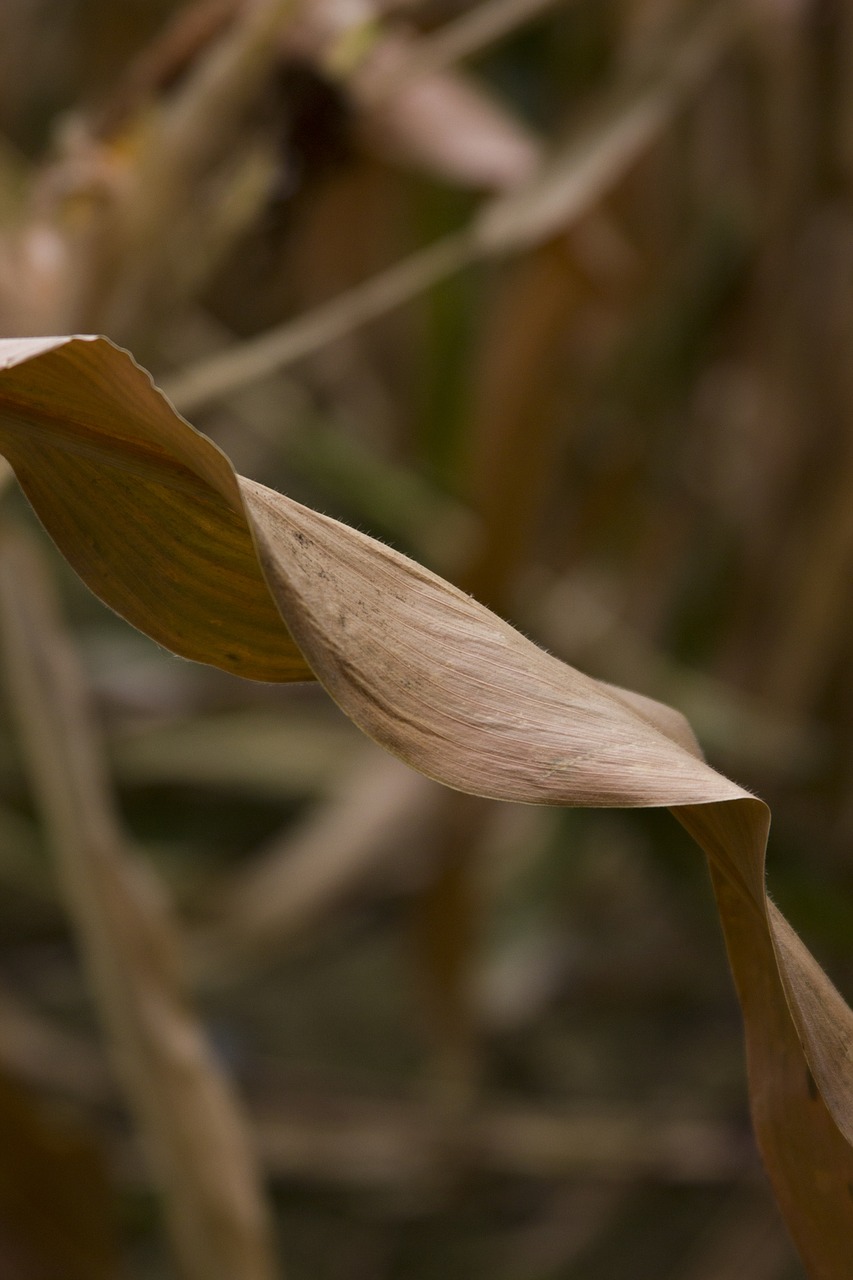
{"x": 185, "y": 570}
{"x": 441, "y": 682}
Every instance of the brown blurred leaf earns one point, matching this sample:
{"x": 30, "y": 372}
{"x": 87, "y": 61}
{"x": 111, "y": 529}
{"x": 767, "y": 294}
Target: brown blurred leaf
{"x": 54, "y": 1196}
{"x": 441, "y": 682}
{"x": 441, "y": 122}
{"x": 410, "y": 105}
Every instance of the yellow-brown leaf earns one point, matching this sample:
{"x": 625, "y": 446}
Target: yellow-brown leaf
{"x": 225, "y": 571}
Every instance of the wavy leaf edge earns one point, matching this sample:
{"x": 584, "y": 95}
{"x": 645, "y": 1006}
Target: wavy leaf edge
{"x": 441, "y": 682}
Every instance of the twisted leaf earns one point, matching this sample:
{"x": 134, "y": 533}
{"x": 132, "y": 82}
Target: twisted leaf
{"x": 223, "y": 570}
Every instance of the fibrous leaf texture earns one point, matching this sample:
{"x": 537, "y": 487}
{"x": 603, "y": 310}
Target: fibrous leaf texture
{"x": 223, "y": 570}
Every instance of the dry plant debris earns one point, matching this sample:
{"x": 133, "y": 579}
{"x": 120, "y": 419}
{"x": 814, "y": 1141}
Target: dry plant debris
{"x": 226, "y": 571}
{"x": 188, "y": 1118}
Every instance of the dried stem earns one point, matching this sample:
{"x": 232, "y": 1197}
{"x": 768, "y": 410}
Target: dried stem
{"x": 182, "y": 1102}
{"x": 566, "y": 188}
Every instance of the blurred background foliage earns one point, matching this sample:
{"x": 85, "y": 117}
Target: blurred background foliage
{"x": 470, "y": 1039}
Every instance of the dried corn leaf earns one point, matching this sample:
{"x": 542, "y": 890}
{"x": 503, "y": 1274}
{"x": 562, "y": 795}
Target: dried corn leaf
{"x": 153, "y": 517}
{"x": 189, "y": 559}
{"x": 55, "y": 1211}
{"x": 442, "y": 122}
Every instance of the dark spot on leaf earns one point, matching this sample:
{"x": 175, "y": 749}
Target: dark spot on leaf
{"x": 811, "y": 1086}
